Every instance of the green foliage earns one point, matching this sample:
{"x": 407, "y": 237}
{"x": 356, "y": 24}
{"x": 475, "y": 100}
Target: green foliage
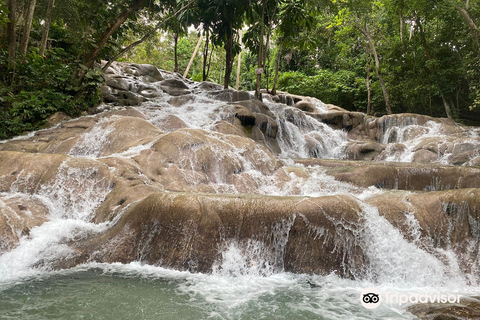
{"x": 342, "y": 88}
{"x": 3, "y": 15}
{"x": 42, "y": 87}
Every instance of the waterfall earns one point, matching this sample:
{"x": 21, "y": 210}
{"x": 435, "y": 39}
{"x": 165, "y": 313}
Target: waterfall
{"x": 259, "y": 204}
{"x": 301, "y": 136}
{"x": 71, "y": 200}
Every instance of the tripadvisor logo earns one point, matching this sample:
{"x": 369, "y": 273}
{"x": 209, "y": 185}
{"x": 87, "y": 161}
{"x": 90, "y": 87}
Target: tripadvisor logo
{"x": 371, "y": 298}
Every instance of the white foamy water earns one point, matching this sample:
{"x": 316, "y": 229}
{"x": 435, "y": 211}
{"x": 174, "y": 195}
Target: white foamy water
{"x": 431, "y": 136}
{"x": 301, "y": 136}
{"x": 71, "y": 201}
{"x": 199, "y": 112}
{"x": 92, "y": 142}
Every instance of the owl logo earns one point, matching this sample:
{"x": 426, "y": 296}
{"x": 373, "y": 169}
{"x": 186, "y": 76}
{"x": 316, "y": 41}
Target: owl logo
{"x": 371, "y": 298}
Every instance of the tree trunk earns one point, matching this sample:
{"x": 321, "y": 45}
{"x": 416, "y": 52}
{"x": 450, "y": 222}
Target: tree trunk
{"x": 266, "y": 59}
{"x": 46, "y": 27}
{"x": 448, "y": 109}
{"x": 277, "y": 67}
{"x": 11, "y": 34}
{"x": 92, "y": 56}
{"x": 470, "y": 22}
{"x": 209, "y": 62}
{"x": 378, "y": 69}
{"x": 27, "y": 27}
{"x": 175, "y": 51}
{"x": 259, "y": 70}
{"x": 228, "y": 57}
{"x": 193, "y": 56}
{"x": 369, "y": 93}
{"x": 239, "y": 65}
{"x": 205, "y": 55}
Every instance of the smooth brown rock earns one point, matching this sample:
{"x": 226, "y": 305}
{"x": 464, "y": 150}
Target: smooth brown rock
{"x": 121, "y": 133}
{"x": 467, "y": 309}
{"x": 424, "y": 156}
{"x": 305, "y": 106}
{"x": 228, "y": 128}
{"x": 189, "y": 231}
{"x": 401, "y": 176}
{"x": 364, "y": 150}
{"x": 193, "y": 159}
{"x": 19, "y": 214}
{"x": 170, "y": 123}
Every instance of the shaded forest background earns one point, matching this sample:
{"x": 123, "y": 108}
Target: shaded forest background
{"x": 378, "y": 57}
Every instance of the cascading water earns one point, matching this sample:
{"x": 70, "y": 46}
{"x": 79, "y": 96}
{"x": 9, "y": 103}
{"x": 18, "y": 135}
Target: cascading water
{"x": 300, "y": 136}
{"x": 91, "y": 142}
{"x": 248, "y": 278}
{"x": 71, "y": 201}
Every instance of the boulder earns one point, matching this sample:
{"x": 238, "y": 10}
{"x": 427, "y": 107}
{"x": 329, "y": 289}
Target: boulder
{"x": 209, "y": 86}
{"x": 170, "y": 123}
{"x": 255, "y": 106}
{"x": 468, "y": 308}
{"x": 231, "y": 95}
{"x": 392, "y": 150}
{"x": 179, "y": 101}
{"x": 125, "y": 112}
{"x": 424, "y": 156}
{"x": 340, "y": 119}
{"x": 121, "y": 97}
{"x": 462, "y": 152}
{"x": 18, "y": 215}
{"x": 225, "y": 127}
{"x": 364, "y": 150}
{"x": 129, "y": 186}
{"x": 267, "y": 125}
{"x": 149, "y": 72}
{"x": 246, "y": 117}
{"x": 174, "y": 87}
{"x": 306, "y": 106}
{"x": 26, "y": 172}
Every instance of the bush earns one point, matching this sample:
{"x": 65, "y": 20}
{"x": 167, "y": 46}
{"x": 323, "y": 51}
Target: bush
{"x": 42, "y": 85}
{"x": 342, "y": 88}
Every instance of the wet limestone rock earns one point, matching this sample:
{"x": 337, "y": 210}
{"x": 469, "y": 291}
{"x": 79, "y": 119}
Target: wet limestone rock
{"x": 400, "y": 176}
{"x": 229, "y": 128}
{"x": 188, "y": 232}
{"x": 120, "y": 134}
{"x": 340, "y": 119}
{"x": 447, "y": 220}
{"x": 18, "y": 215}
{"x": 231, "y": 95}
{"x": 364, "y": 150}
{"x": 60, "y": 178}
{"x": 170, "y": 123}
{"x": 209, "y": 86}
{"x": 194, "y": 159}
{"x": 306, "y": 106}
{"x": 258, "y": 122}
{"x": 467, "y": 309}
{"x": 174, "y": 87}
